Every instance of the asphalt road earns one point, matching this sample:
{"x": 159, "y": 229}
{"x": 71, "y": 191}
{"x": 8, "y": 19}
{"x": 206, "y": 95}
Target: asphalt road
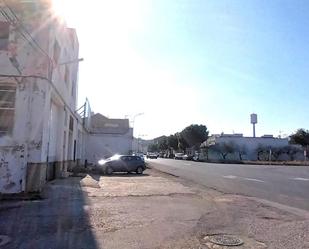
{"x": 288, "y": 185}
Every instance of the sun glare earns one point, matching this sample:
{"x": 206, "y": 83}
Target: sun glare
{"x": 63, "y": 8}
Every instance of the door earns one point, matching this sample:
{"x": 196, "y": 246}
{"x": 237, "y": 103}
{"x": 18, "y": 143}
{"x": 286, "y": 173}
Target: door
{"x": 132, "y": 164}
{"x": 53, "y": 133}
{"x": 74, "y": 151}
{"x": 121, "y": 165}
{"x": 69, "y": 156}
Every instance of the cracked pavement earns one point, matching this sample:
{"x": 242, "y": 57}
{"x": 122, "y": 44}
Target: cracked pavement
{"x": 155, "y": 210}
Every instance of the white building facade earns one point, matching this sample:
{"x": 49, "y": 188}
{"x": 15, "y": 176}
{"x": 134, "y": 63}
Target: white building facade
{"x": 248, "y": 147}
{"x": 108, "y": 137}
{"x": 39, "y": 128}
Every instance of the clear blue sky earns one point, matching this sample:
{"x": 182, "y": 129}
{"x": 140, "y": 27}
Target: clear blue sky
{"x": 197, "y": 61}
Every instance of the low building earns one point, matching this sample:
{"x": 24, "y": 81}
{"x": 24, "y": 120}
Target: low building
{"x": 141, "y": 145}
{"x": 107, "y": 137}
{"x": 238, "y": 147}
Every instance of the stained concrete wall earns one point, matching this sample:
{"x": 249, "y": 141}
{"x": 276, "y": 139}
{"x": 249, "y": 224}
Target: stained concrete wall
{"x": 36, "y": 177}
{"x": 105, "y": 145}
{"x": 250, "y": 144}
{"x": 107, "y": 137}
{"x": 41, "y": 132}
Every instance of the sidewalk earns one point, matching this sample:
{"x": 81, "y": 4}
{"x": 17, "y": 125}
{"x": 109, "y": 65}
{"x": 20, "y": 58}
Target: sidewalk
{"x": 154, "y": 210}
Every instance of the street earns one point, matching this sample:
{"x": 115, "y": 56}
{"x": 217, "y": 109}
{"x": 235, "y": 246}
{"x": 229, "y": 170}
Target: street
{"x": 228, "y": 83}
{"x": 153, "y": 210}
{"x": 287, "y": 185}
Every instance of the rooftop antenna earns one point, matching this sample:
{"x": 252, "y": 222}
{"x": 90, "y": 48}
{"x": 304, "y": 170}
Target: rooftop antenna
{"x": 253, "y": 118}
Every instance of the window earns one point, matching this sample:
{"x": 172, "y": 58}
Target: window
{"x": 7, "y": 108}
{"x": 56, "y": 52}
{"x": 71, "y": 123}
{"x": 73, "y": 88}
{"x": 72, "y": 38}
{"x": 65, "y": 118}
{"x": 126, "y": 158}
{"x": 4, "y": 35}
{"x": 66, "y": 74}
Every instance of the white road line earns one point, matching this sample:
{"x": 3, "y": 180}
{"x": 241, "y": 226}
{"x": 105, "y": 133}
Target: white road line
{"x": 300, "y": 179}
{"x": 230, "y": 177}
{"x": 243, "y": 178}
{"x": 253, "y": 179}
{"x": 187, "y": 164}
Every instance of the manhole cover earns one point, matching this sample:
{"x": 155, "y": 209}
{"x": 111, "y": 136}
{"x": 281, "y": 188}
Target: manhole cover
{"x": 225, "y": 240}
{"x": 4, "y": 240}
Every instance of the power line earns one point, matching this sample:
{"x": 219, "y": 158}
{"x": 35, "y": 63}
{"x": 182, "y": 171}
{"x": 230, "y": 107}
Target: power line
{"x": 8, "y": 18}
{"x": 42, "y": 78}
{"x": 24, "y": 29}
{"x": 32, "y": 43}
{"x": 27, "y": 32}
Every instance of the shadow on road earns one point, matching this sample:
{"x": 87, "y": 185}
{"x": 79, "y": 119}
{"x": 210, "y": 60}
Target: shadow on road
{"x": 127, "y": 175}
{"x": 59, "y": 220}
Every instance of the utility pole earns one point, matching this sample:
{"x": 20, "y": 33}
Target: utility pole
{"x": 133, "y": 123}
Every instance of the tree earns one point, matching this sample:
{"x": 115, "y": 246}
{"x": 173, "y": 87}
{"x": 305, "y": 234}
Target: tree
{"x": 204, "y": 148}
{"x": 301, "y": 136}
{"x": 275, "y": 153}
{"x": 182, "y": 142}
{"x": 172, "y": 142}
{"x": 241, "y": 150}
{"x": 162, "y": 144}
{"x": 291, "y": 151}
{"x": 262, "y": 153}
{"x": 153, "y": 147}
{"x": 194, "y": 135}
{"x": 224, "y": 148}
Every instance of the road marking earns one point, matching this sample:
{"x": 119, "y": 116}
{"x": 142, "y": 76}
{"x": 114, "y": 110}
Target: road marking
{"x": 244, "y": 178}
{"x": 300, "y": 179}
{"x": 230, "y": 177}
{"x": 253, "y": 179}
{"x": 187, "y": 164}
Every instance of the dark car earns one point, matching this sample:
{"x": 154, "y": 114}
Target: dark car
{"x": 152, "y": 155}
{"x": 123, "y": 163}
{"x": 187, "y": 157}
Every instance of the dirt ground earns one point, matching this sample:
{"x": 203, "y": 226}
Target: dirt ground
{"x": 154, "y": 210}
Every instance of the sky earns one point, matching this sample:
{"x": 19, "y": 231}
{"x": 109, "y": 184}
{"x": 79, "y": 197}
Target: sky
{"x": 211, "y": 62}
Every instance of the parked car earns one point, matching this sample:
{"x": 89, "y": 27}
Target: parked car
{"x": 187, "y": 157}
{"x": 152, "y": 155}
{"x": 141, "y": 155}
{"x": 122, "y": 163}
{"x": 196, "y": 157}
{"x": 161, "y": 154}
{"x": 178, "y": 156}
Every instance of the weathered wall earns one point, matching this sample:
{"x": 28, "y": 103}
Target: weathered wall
{"x": 41, "y": 131}
{"x": 35, "y": 177}
{"x": 249, "y": 143}
{"x": 100, "y": 146}
{"x": 12, "y": 179}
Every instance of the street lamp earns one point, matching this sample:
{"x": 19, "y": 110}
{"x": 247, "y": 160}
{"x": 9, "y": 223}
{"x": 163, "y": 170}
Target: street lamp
{"x": 52, "y": 67}
{"x": 139, "y": 142}
{"x": 133, "y": 119}
{"x": 72, "y": 61}
{"x": 136, "y": 115}
{"x": 133, "y": 122}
